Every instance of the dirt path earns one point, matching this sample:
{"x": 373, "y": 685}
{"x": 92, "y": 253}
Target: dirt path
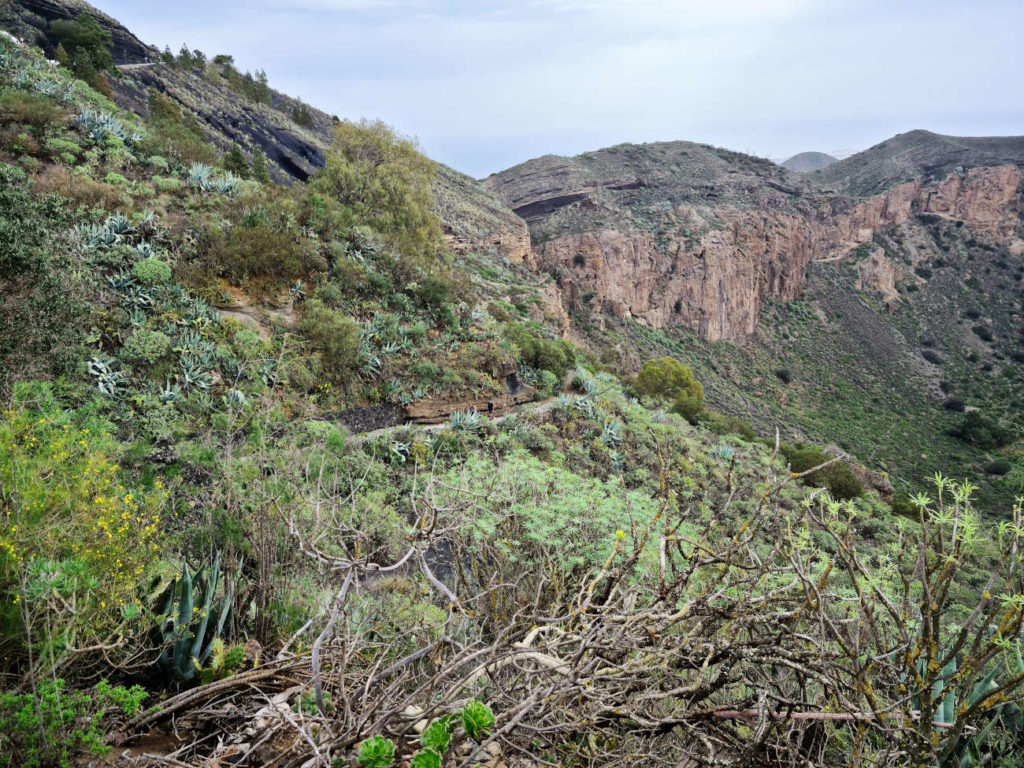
{"x": 137, "y": 65}
{"x": 542, "y": 406}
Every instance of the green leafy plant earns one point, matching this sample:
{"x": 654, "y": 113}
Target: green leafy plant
{"x": 477, "y": 719}
{"x": 192, "y": 618}
{"x": 376, "y": 752}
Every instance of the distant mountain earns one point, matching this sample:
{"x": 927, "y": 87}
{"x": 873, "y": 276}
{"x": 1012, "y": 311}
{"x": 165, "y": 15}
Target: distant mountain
{"x": 805, "y": 162}
{"x": 917, "y": 154}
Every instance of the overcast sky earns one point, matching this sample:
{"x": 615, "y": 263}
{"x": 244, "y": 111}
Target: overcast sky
{"x": 485, "y": 84}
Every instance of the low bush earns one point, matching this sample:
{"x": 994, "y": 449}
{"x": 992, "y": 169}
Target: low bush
{"x": 56, "y": 724}
{"x": 145, "y": 347}
{"x": 152, "y": 271}
{"x": 981, "y": 431}
{"x": 335, "y": 336}
{"x": 838, "y": 478}
{"x": 30, "y": 109}
{"x": 78, "y": 188}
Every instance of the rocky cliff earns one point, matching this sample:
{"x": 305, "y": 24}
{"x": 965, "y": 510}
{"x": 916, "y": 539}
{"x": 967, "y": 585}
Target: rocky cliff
{"x": 684, "y": 234}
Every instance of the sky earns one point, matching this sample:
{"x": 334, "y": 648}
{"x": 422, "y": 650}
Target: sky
{"x": 486, "y": 84}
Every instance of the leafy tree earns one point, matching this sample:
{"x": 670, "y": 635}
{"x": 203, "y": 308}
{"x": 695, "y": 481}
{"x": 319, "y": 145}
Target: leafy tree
{"x": 235, "y": 162}
{"x": 86, "y": 47}
{"x": 259, "y": 166}
{"x": 383, "y": 182}
{"x": 668, "y": 379}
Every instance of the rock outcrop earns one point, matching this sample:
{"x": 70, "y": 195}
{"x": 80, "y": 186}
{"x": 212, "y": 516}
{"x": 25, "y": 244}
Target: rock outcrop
{"x": 686, "y": 235}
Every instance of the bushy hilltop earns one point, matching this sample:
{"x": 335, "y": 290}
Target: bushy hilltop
{"x": 222, "y": 541}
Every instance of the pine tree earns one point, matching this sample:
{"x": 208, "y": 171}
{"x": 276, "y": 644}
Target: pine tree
{"x": 167, "y": 56}
{"x": 234, "y": 161}
{"x": 62, "y": 56}
{"x": 259, "y": 166}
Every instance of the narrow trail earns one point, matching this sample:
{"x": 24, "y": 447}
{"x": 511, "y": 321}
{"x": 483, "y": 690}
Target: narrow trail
{"x": 137, "y": 65}
{"x": 539, "y": 407}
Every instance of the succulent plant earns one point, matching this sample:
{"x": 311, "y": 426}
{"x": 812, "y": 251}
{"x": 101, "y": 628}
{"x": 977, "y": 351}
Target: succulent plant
{"x": 170, "y": 393}
{"x": 235, "y": 398}
{"x": 191, "y": 619}
{"x": 464, "y": 421}
{"x": 612, "y": 433}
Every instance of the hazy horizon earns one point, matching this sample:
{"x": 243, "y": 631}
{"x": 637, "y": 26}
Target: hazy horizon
{"x": 487, "y": 84}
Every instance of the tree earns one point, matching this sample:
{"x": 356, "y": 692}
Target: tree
{"x": 302, "y": 116}
{"x": 259, "y": 166}
{"x": 235, "y": 162}
{"x": 86, "y": 47}
{"x": 668, "y": 379}
{"x": 384, "y": 182}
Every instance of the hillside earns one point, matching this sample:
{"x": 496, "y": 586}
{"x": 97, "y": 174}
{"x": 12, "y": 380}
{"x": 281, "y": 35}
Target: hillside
{"x": 805, "y": 162}
{"x": 350, "y": 459}
{"x": 904, "y": 305}
{"x": 918, "y": 155}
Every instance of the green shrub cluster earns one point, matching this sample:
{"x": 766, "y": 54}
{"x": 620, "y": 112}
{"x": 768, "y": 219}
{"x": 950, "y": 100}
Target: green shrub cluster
{"x": 838, "y": 478}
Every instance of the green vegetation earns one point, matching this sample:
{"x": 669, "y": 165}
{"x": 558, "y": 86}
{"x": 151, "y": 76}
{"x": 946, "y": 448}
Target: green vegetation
{"x": 185, "y": 515}
{"x": 84, "y": 48}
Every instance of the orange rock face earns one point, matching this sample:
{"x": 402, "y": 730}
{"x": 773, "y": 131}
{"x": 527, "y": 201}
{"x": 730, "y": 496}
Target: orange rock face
{"x": 715, "y": 281}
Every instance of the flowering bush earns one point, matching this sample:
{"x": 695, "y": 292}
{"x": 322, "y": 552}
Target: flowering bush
{"x": 74, "y": 541}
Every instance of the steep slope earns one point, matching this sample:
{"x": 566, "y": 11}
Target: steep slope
{"x": 805, "y": 162}
{"x": 917, "y": 155}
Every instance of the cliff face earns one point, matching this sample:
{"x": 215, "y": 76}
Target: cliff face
{"x": 706, "y": 250}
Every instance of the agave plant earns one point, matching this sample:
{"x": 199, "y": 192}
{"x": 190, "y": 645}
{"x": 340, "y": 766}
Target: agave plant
{"x": 144, "y": 251}
{"x": 137, "y": 296}
{"x": 121, "y": 281}
{"x": 464, "y": 421}
{"x": 120, "y": 225}
{"x": 199, "y": 175}
{"x": 268, "y": 373}
{"x": 399, "y": 451}
{"x": 612, "y": 433}
{"x": 298, "y": 290}
{"x": 234, "y": 398}
{"x": 136, "y": 317}
{"x": 193, "y": 376}
{"x": 170, "y": 393}
{"x": 192, "y": 618}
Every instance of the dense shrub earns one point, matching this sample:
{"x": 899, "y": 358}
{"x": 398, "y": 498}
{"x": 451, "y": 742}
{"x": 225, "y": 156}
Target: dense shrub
{"x": 954, "y": 404}
{"x": 145, "y": 346}
{"x": 334, "y": 335}
{"x": 29, "y": 109}
{"x": 722, "y": 424}
{"x": 980, "y": 431}
{"x": 837, "y": 477}
{"x": 983, "y": 332}
{"x": 257, "y": 253}
{"x": 553, "y": 355}
{"x": 931, "y": 356}
{"x": 78, "y": 188}
{"x": 999, "y": 467}
{"x": 42, "y": 312}
{"x": 82, "y": 535}
{"x": 668, "y": 379}
{"x": 152, "y": 271}
{"x": 784, "y": 375}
